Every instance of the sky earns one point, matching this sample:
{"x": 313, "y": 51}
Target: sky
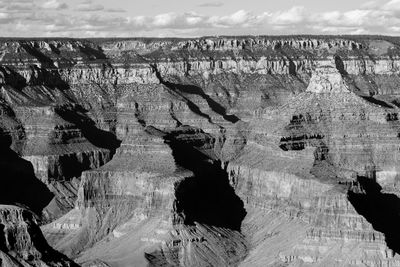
{"x": 193, "y": 18}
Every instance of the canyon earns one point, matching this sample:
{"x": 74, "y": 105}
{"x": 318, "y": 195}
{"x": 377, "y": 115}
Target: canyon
{"x": 212, "y": 151}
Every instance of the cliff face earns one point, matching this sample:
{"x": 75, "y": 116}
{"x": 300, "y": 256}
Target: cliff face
{"x": 250, "y": 151}
{"x": 23, "y": 244}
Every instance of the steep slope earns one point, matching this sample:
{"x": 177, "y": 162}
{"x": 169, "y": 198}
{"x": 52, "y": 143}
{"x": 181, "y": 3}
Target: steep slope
{"x": 22, "y": 243}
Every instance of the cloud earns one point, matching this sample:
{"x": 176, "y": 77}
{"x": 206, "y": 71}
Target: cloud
{"x": 240, "y": 18}
{"x": 115, "y": 10}
{"x": 392, "y": 5}
{"x": 193, "y": 20}
{"x": 395, "y": 29}
{"x": 168, "y": 20}
{"x": 88, "y": 6}
{"x": 211, "y": 4}
{"x": 292, "y": 16}
{"x": 370, "y": 4}
{"x": 54, "y": 4}
{"x": 31, "y": 20}
{"x": 19, "y": 5}
{"x": 6, "y": 2}
{"x": 361, "y": 18}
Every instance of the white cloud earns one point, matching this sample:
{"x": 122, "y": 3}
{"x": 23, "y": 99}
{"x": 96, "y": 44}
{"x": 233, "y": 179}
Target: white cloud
{"x": 54, "y": 4}
{"x": 88, "y": 6}
{"x": 19, "y": 6}
{"x": 4, "y": 15}
{"x": 370, "y": 5}
{"x": 163, "y": 20}
{"x": 240, "y": 18}
{"x": 329, "y": 17}
{"x": 384, "y": 19}
{"x": 395, "y": 29}
{"x": 392, "y": 5}
{"x": 115, "y": 10}
{"x": 211, "y": 4}
{"x": 292, "y": 16}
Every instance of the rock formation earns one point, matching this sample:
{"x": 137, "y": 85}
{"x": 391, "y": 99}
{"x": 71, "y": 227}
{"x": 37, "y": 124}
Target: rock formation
{"x": 217, "y": 151}
{"x": 22, "y": 243}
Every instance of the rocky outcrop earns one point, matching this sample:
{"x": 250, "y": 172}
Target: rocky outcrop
{"x": 22, "y": 243}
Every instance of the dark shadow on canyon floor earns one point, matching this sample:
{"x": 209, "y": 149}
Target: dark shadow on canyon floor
{"x": 12, "y": 78}
{"x": 340, "y": 65}
{"x": 96, "y": 136}
{"x": 298, "y": 135}
{"x": 46, "y": 77}
{"x": 196, "y": 90}
{"x": 376, "y": 101}
{"x": 215, "y": 106}
{"x": 380, "y": 209}
{"x": 207, "y": 196}
{"x": 18, "y": 182}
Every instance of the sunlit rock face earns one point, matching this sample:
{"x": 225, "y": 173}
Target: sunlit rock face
{"x": 217, "y": 151}
{"x": 325, "y": 80}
